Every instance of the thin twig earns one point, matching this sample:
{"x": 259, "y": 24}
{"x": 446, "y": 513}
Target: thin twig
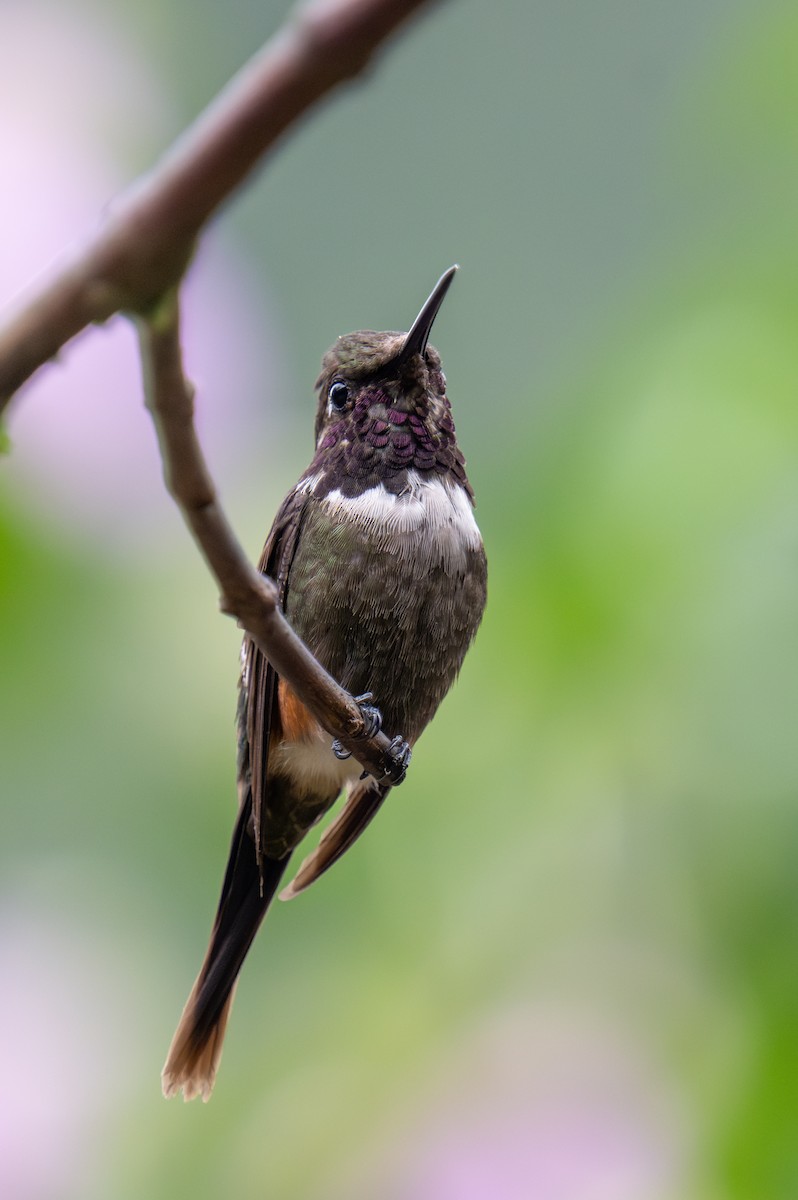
{"x": 245, "y": 594}
{"x": 142, "y": 249}
{"x": 135, "y": 263}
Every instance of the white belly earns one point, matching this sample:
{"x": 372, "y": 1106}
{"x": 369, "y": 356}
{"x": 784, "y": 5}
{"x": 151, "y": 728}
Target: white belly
{"x": 313, "y": 766}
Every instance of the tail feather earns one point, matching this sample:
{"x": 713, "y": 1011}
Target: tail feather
{"x": 360, "y": 809}
{"x": 193, "y": 1058}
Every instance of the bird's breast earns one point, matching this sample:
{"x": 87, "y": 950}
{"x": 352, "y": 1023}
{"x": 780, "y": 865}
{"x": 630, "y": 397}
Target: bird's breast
{"x": 387, "y": 588}
{"x": 431, "y": 520}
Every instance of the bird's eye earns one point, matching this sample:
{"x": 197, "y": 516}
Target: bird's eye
{"x": 338, "y": 394}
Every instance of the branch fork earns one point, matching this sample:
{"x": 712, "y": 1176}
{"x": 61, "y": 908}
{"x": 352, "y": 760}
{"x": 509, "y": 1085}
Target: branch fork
{"x": 135, "y": 264}
{"x": 245, "y": 594}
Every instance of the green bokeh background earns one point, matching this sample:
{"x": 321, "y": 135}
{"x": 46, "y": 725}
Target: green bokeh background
{"x": 565, "y": 958}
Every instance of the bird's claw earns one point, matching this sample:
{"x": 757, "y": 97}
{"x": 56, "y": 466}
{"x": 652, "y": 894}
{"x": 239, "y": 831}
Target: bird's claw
{"x": 372, "y": 717}
{"x": 372, "y": 724}
{"x": 398, "y": 755}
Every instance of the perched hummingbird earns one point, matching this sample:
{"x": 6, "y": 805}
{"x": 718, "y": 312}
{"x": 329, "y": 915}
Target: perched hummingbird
{"x": 381, "y": 570}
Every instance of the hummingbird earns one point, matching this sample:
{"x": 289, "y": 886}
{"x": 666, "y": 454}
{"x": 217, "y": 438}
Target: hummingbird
{"x": 381, "y": 570}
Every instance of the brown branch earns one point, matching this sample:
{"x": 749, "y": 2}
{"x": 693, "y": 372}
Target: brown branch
{"x": 245, "y": 594}
{"x": 136, "y": 262}
{"x": 146, "y": 242}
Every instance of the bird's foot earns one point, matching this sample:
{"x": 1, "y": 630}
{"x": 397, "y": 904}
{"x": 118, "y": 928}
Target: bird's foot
{"x": 398, "y": 755}
{"x": 372, "y": 724}
{"x": 372, "y": 717}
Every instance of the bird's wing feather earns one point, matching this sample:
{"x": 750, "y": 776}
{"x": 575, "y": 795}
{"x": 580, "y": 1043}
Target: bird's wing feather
{"x": 259, "y": 679}
{"x": 362, "y": 805}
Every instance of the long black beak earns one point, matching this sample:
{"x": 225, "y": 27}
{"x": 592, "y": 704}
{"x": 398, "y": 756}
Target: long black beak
{"x": 417, "y": 338}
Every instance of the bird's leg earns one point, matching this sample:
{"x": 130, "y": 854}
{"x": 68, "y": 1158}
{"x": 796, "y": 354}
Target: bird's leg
{"x": 398, "y": 755}
{"x": 372, "y": 724}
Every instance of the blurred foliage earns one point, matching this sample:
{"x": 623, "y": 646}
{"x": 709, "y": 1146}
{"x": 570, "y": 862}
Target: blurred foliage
{"x": 564, "y": 958}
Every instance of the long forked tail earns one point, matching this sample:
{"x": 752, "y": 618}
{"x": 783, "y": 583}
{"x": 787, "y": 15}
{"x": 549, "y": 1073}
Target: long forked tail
{"x": 193, "y": 1058}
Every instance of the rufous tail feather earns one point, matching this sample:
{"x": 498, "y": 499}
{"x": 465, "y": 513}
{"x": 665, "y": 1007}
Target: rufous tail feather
{"x": 193, "y": 1058}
